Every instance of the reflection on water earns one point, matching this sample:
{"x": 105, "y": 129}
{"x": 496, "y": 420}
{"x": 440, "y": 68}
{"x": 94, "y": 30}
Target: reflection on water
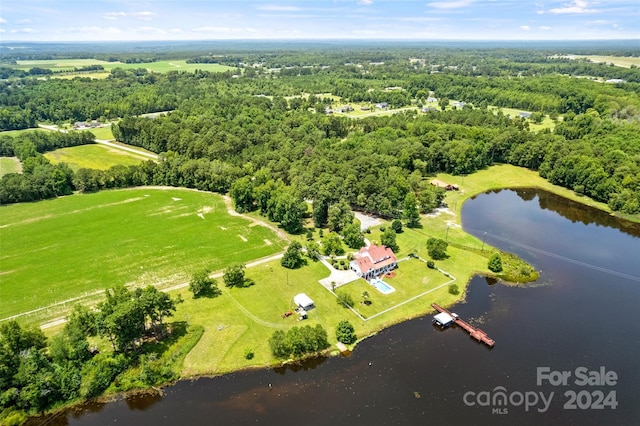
{"x": 413, "y": 373}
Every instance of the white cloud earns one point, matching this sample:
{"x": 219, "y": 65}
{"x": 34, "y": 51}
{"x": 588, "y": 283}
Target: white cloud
{"x": 145, "y": 16}
{"x": 3, "y": 21}
{"x": 24, "y": 21}
{"x": 24, "y": 30}
{"x": 2, "y": 30}
{"x": 112, "y": 16}
{"x": 545, "y": 27}
{"x": 576, "y": 6}
{"x": 457, "y": 4}
{"x": 276, "y": 8}
{"x": 224, "y": 30}
{"x": 366, "y": 2}
{"x": 540, "y": 12}
{"x": 525, "y": 27}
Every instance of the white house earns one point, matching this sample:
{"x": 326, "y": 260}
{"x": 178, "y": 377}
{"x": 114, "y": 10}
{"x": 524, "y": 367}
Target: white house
{"x": 373, "y": 261}
{"x": 303, "y": 301}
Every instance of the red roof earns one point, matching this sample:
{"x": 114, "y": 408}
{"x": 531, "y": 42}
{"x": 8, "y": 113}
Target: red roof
{"x": 374, "y": 257}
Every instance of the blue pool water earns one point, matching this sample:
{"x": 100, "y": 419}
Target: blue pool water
{"x": 382, "y": 287}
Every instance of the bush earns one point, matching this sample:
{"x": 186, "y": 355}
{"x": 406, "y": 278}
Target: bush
{"x": 453, "y": 289}
{"x": 345, "y": 332}
{"x": 396, "y": 225}
{"x": 430, "y": 264}
{"x": 495, "y": 263}
{"x": 248, "y": 353}
{"x": 437, "y": 248}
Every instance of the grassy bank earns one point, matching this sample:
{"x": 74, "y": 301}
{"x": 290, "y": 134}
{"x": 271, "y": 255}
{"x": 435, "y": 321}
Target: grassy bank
{"x": 98, "y": 157}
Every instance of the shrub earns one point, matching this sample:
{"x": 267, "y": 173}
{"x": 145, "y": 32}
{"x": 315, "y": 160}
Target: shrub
{"x": 495, "y": 263}
{"x": 248, "y": 353}
{"x": 430, "y": 264}
{"x": 453, "y": 289}
{"x": 437, "y": 248}
{"x": 345, "y": 332}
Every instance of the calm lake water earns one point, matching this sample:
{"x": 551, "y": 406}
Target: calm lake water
{"x": 580, "y": 317}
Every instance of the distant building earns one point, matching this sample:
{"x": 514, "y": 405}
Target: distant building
{"x": 382, "y": 105}
{"x": 346, "y": 108}
{"x": 615, "y": 81}
{"x": 525, "y": 114}
{"x": 444, "y": 185}
{"x": 373, "y": 261}
{"x": 459, "y": 104}
{"x": 432, "y": 99}
{"x": 429, "y": 109}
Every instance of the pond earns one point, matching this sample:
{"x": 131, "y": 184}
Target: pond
{"x": 565, "y": 353}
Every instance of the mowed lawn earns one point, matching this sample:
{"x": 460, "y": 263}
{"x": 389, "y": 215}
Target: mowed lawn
{"x": 9, "y": 165}
{"x": 99, "y": 157}
{"x": 59, "y": 249}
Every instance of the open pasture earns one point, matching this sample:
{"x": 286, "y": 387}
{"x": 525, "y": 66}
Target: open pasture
{"x": 94, "y": 157}
{"x": 72, "y": 246}
{"x": 9, "y": 165}
{"x": 68, "y": 65}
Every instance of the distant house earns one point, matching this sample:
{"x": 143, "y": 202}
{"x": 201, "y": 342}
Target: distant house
{"x": 444, "y": 185}
{"x": 459, "y": 104}
{"x": 429, "y": 109}
{"x": 382, "y": 105}
{"x": 525, "y": 114}
{"x": 346, "y": 108}
{"x": 432, "y": 99}
{"x": 615, "y": 81}
{"x": 365, "y": 108}
{"x": 373, "y": 261}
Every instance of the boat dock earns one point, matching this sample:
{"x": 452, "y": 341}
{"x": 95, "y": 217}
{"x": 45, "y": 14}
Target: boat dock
{"x": 474, "y": 332}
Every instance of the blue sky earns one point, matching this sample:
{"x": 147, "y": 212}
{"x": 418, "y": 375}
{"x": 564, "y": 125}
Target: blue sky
{"x": 102, "y": 20}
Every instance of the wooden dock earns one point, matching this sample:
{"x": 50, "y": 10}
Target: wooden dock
{"x": 474, "y": 332}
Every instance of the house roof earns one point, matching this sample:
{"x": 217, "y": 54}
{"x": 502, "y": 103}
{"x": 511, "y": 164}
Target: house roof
{"x": 374, "y": 257}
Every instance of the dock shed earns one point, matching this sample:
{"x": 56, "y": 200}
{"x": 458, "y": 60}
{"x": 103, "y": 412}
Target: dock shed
{"x": 443, "y": 319}
{"x": 303, "y": 301}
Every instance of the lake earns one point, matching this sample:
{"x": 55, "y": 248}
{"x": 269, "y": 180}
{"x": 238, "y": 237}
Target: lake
{"x": 565, "y": 353}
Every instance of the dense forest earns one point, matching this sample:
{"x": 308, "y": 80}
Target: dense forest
{"x": 267, "y": 121}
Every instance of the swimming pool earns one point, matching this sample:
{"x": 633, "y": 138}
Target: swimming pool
{"x": 382, "y": 287}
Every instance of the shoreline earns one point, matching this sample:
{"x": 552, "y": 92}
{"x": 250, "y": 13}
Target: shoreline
{"x": 458, "y": 200}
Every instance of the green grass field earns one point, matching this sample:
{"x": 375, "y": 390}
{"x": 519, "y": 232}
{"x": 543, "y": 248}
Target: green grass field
{"x": 9, "y": 165}
{"x": 620, "y": 61}
{"x": 60, "y": 249}
{"x": 14, "y": 133}
{"x": 67, "y": 66}
{"x": 99, "y": 157}
{"x": 103, "y": 133}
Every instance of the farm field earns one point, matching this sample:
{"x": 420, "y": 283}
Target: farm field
{"x": 94, "y": 157}
{"x": 64, "y": 65}
{"x": 14, "y": 133}
{"x": 9, "y": 165}
{"x": 79, "y": 245}
{"x": 547, "y": 122}
{"x": 620, "y": 61}
{"x": 102, "y": 133}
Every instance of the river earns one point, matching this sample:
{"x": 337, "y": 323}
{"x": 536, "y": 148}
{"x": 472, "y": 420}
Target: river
{"x": 565, "y": 353}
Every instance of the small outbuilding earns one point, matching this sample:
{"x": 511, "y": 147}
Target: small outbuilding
{"x": 443, "y": 319}
{"x": 303, "y": 301}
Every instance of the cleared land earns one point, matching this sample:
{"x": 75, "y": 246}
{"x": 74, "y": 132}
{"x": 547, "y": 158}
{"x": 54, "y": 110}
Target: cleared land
{"x": 9, "y": 165}
{"x": 66, "y": 66}
{"x": 94, "y": 157}
{"x": 619, "y": 61}
{"x": 64, "y": 248}
{"x": 14, "y": 133}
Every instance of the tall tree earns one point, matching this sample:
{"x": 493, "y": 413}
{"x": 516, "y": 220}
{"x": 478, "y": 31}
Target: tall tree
{"x": 410, "y": 213}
